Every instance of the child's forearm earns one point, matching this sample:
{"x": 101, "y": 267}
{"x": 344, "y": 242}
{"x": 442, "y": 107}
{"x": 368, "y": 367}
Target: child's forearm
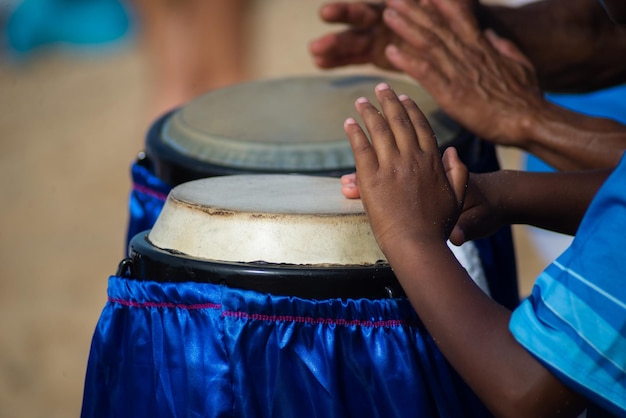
{"x": 472, "y": 332}
{"x": 554, "y": 201}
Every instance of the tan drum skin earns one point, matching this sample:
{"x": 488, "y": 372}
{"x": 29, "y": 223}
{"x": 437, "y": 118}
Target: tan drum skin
{"x": 293, "y": 219}
{"x": 283, "y": 125}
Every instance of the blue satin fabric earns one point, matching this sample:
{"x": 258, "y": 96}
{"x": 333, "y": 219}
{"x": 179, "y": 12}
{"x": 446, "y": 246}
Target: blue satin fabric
{"x": 203, "y": 350}
{"x": 146, "y": 200}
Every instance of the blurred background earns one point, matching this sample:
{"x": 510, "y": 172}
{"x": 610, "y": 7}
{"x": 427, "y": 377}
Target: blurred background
{"x": 72, "y": 119}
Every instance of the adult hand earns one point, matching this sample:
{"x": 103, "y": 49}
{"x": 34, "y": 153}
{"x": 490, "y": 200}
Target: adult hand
{"x": 363, "y": 42}
{"x": 481, "y": 80}
{"x": 408, "y": 191}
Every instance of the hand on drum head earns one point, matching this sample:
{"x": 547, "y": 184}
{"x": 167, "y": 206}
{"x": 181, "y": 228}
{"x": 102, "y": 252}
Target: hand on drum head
{"x": 363, "y": 42}
{"x": 479, "y": 217}
{"x": 481, "y": 80}
{"x": 408, "y": 190}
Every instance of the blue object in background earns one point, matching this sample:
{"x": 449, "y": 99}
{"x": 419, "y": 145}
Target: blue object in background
{"x": 34, "y": 24}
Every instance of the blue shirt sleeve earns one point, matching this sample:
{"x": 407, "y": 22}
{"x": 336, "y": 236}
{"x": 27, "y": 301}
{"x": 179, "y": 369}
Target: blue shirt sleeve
{"x": 574, "y": 321}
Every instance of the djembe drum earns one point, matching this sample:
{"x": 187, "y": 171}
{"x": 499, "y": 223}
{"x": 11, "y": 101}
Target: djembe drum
{"x": 295, "y": 125}
{"x": 264, "y": 296}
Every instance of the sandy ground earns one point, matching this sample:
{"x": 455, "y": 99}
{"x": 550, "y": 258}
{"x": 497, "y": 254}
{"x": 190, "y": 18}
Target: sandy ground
{"x": 70, "y": 127}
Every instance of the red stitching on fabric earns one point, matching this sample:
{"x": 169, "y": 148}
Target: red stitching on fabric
{"x": 146, "y": 190}
{"x": 322, "y": 321}
{"x": 134, "y": 304}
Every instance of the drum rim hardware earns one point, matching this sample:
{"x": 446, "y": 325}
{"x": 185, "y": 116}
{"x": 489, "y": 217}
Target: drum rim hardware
{"x": 149, "y": 263}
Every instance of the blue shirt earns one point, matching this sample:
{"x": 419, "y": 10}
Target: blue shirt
{"x": 574, "y": 321}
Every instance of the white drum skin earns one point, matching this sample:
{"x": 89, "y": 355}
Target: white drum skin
{"x": 279, "y": 219}
{"x": 293, "y": 219}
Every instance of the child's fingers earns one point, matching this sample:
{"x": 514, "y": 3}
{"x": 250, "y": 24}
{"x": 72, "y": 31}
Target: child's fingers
{"x": 457, "y": 174}
{"x": 350, "y": 191}
{"x": 457, "y": 236}
{"x": 348, "y": 179}
{"x": 383, "y": 140}
{"x": 350, "y": 186}
{"x": 426, "y": 138}
{"x": 364, "y": 154}
{"x": 398, "y": 119}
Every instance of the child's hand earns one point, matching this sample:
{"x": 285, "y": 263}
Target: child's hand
{"x": 408, "y": 191}
{"x": 480, "y": 216}
{"x": 478, "y": 219}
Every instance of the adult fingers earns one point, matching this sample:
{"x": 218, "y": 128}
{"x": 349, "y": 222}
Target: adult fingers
{"x": 342, "y": 48}
{"x": 461, "y": 17}
{"x": 359, "y": 15}
{"x": 507, "y": 48}
{"x": 419, "y": 68}
{"x": 418, "y": 51}
{"x": 419, "y": 27}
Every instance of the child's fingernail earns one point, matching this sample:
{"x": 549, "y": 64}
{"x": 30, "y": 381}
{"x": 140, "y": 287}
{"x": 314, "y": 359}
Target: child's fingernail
{"x": 362, "y": 100}
{"x": 350, "y": 121}
{"x": 382, "y": 86}
{"x": 403, "y": 97}
{"x": 392, "y": 50}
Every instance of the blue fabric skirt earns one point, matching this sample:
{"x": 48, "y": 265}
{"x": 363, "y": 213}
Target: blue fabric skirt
{"x": 202, "y": 350}
{"x": 205, "y": 350}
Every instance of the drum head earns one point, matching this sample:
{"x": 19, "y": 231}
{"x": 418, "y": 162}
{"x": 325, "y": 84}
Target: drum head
{"x": 285, "y": 125}
{"x": 289, "y": 219}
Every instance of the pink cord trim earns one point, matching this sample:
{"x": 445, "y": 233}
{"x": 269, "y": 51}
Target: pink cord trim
{"x": 148, "y": 191}
{"x": 162, "y": 305}
{"x": 322, "y": 321}
{"x": 269, "y": 318}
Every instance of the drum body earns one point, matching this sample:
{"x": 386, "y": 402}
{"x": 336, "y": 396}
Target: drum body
{"x": 190, "y": 330}
{"x": 294, "y": 125}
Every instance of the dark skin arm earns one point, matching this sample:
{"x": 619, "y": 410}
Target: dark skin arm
{"x": 486, "y": 84}
{"x": 554, "y": 201}
{"x": 413, "y": 198}
{"x": 573, "y": 44}
{"x": 481, "y": 80}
